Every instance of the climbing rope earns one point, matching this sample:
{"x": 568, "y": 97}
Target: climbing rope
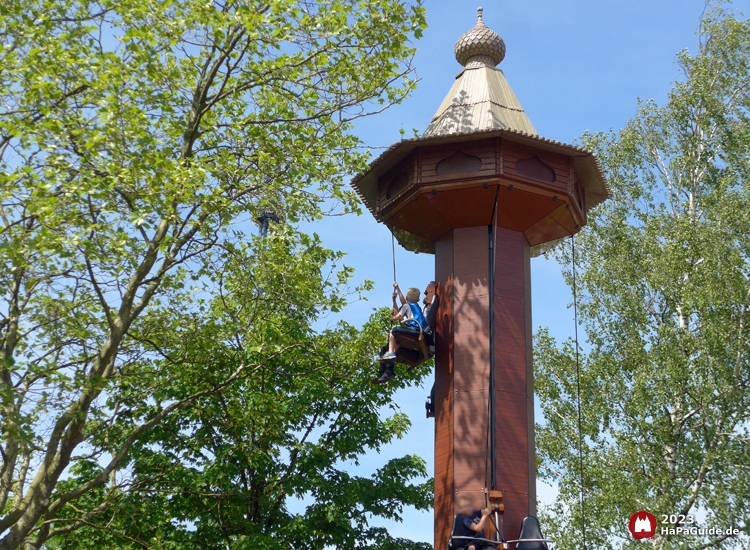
{"x": 490, "y": 464}
{"x": 578, "y": 390}
{"x": 488, "y": 481}
{"x": 492, "y": 404}
{"x": 393, "y": 254}
{"x": 393, "y": 257}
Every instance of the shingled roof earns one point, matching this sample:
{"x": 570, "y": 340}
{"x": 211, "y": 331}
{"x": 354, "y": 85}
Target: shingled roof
{"x": 480, "y": 98}
{"x": 585, "y": 162}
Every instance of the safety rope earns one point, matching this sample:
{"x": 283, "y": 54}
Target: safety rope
{"x": 578, "y": 390}
{"x": 490, "y": 465}
{"x": 488, "y": 481}
{"x": 393, "y": 254}
{"x": 393, "y": 257}
{"x": 493, "y": 409}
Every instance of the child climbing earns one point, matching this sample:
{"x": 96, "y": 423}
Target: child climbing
{"x": 409, "y": 315}
{"x": 412, "y": 322}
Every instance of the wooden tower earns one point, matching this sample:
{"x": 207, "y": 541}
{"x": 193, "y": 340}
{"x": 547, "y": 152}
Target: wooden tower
{"x": 480, "y": 189}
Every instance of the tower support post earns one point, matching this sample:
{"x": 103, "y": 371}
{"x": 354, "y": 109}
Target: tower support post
{"x": 463, "y": 458}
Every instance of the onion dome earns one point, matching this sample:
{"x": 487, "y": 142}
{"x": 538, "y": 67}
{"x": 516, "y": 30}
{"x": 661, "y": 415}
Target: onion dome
{"x": 480, "y": 46}
{"x": 481, "y": 98}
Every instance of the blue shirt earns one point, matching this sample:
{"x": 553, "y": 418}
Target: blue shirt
{"x": 463, "y": 523}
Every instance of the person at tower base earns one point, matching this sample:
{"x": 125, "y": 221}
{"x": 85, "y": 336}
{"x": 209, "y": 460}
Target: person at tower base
{"x": 470, "y": 523}
{"x": 412, "y": 321}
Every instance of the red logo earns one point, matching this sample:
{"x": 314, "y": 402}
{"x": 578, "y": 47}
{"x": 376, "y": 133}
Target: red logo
{"x": 642, "y": 525}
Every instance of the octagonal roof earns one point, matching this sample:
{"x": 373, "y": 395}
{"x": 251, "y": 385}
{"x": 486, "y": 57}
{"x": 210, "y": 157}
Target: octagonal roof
{"x": 586, "y": 164}
{"x": 481, "y": 97}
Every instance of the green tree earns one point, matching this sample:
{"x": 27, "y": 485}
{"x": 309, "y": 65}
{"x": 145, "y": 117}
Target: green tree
{"x": 664, "y": 280}
{"x": 134, "y": 136}
{"x": 223, "y": 472}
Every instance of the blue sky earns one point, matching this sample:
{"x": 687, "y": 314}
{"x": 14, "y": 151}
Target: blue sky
{"x": 575, "y": 65}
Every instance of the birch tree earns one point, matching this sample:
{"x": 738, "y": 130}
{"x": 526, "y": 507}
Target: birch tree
{"x": 664, "y": 282}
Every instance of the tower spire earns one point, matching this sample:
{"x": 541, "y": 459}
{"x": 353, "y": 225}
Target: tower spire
{"x": 481, "y": 98}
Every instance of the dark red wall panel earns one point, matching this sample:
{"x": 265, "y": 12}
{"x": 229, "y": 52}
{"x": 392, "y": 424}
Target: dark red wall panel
{"x": 462, "y": 375}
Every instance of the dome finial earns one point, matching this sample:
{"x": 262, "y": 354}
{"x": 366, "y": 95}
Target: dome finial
{"x": 481, "y": 46}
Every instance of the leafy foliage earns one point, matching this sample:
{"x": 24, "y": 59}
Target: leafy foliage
{"x": 228, "y": 469}
{"x": 664, "y": 268}
{"x": 136, "y": 138}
